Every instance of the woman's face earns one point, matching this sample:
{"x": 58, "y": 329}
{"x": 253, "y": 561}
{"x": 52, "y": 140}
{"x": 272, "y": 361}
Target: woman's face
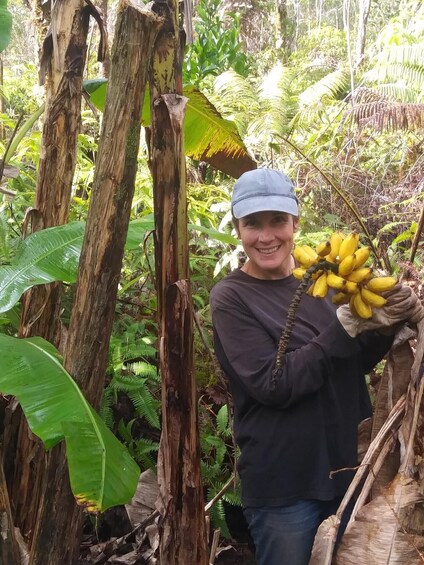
{"x": 267, "y": 238}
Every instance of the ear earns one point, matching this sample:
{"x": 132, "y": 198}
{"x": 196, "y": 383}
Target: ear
{"x": 295, "y": 223}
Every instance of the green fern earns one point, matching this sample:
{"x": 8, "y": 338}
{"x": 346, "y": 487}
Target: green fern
{"x": 137, "y": 390}
{"x": 143, "y": 448}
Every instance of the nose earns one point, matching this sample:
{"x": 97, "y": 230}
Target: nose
{"x": 266, "y": 234}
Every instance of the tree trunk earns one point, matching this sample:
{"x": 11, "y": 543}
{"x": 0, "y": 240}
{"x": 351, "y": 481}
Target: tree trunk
{"x": 63, "y": 59}
{"x": 364, "y": 10}
{"x": 106, "y": 62}
{"x": 2, "y": 104}
{"x": 9, "y": 552}
{"x": 56, "y": 539}
{"x": 182, "y": 526}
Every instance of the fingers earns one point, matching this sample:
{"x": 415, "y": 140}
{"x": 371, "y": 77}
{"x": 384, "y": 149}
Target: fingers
{"x": 398, "y": 294}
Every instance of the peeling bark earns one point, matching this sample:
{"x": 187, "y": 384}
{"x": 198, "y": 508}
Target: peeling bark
{"x": 64, "y": 54}
{"x": 9, "y": 552}
{"x": 56, "y": 539}
{"x": 182, "y": 525}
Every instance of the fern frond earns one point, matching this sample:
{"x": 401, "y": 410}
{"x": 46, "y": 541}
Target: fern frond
{"x": 379, "y": 112}
{"x": 105, "y": 410}
{"x": 235, "y": 98}
{"x": 141, "y": 368}
{"x": 233, "y": 497}
{"x": 143, "y": 449}
{"x": 399, "y": 92}
{"x": 278, "y": 105}
{"x": 146, "y": 405}
{"x": 137, "y": 390}
{"x": 217, "y": 514}
{"x": 405, "y": 54}
{"x": 222, "y": 422}
{"x": 333, "y": 86}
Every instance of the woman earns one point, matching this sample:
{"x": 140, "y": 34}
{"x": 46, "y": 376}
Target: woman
{"x": 298, "y": 436}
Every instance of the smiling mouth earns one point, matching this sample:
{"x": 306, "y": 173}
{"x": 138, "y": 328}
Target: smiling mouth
{"x": 268, "y": 251}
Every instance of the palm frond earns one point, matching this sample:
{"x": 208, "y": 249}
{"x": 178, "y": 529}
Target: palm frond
{"x": 236, "y": 98}
{"x": 379, "y": 112}
{"x": 399, "y": 92}
{"x": 333, "y": 86}
{"x": 278, "y": 105}
{"x": 405, "y": 54}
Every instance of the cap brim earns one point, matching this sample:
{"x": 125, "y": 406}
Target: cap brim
{"x": 265, "y": 204}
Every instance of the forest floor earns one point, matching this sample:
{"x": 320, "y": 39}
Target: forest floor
{"x": 236, "y": 554}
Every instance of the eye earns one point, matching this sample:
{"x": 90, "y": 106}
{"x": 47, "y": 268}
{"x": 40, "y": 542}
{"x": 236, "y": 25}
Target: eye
{"x": 280, "y": 219}
{"x": 249, "y": 222}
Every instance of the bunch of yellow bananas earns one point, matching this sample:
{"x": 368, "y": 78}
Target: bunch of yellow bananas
{"x": 340, "y": 264}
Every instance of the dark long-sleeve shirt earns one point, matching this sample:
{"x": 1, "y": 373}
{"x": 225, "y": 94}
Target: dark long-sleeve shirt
{"x": 292, "y": 435}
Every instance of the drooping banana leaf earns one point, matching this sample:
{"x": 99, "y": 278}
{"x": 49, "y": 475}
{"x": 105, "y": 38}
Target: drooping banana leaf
{"x": 43, "y": 257}
{"x": 5, "y": 25}
{"x": 52, "y": 255}
{"x": 102, "y": 473}
{"x": 207, "y": 135}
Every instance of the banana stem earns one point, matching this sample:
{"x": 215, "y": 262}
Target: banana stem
{"x": 291, "y": 317}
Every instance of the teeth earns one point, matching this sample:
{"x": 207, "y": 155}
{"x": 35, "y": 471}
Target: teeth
{"x": 268, "y": 251}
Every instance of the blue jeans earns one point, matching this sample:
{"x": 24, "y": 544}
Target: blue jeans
{"x": 284, "y": 535}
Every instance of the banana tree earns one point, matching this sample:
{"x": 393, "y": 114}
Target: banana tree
{"x": 208, "y": 136}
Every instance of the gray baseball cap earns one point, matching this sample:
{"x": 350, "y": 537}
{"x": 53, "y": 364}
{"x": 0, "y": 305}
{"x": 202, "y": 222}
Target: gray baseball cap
{"x": 263, "y": 190}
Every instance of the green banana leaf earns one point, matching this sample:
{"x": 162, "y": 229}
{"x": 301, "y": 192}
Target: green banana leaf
{"x": 5, "y": 25}
{"x": 53, "y": 254}
{"x": 43, "y": 257}
{"x": 102, "y": 472}
{"x": 207, "y": 135}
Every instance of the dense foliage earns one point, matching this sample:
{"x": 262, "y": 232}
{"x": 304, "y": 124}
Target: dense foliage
{"x": 349, "y": 135}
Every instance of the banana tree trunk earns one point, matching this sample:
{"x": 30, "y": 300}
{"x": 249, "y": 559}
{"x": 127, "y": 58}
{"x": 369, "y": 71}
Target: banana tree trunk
{"x": 182, "y": 526}
{"x": 9, "y": 551}
{"x": 62, "y": 60}
{"x": 57, "y": 535}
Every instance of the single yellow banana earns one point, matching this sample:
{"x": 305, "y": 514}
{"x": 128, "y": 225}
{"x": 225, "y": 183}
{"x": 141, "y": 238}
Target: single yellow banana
{"x": 381, "y": 284}
{"x": 323, "y": 248}
{"x": 311, "y": 289}
{"x": 351, "y": 287}
{"x": 359, "y": 275}
{"x": 320, "y": 287}
{"x": 303, "y": 257}
{"x": 298, "y": 272}
{"x": 348, "y": 246}
{"x": 334, "y": 281}
{"x": 352, "y": 306}
{"x": 340, "y": 298}
{"x": 373, "y": 299}
{"x": 335, "y": 241}
{"x": 330, "y": 259}
{"x": 363, "y": 308}
{"x": 310, "y": 251}
{"x": 347, "y": 265}
{"x": 361, "y": 254}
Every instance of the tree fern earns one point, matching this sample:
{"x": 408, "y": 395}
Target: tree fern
{"x": 333, "y": 86}
{"x": 236, "y": 98}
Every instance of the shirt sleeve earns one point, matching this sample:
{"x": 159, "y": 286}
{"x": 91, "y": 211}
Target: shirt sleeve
{"x": 247, "y": 351}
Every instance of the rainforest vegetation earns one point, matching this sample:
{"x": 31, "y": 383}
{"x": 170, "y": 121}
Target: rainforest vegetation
{"x": 123, "y": 126}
